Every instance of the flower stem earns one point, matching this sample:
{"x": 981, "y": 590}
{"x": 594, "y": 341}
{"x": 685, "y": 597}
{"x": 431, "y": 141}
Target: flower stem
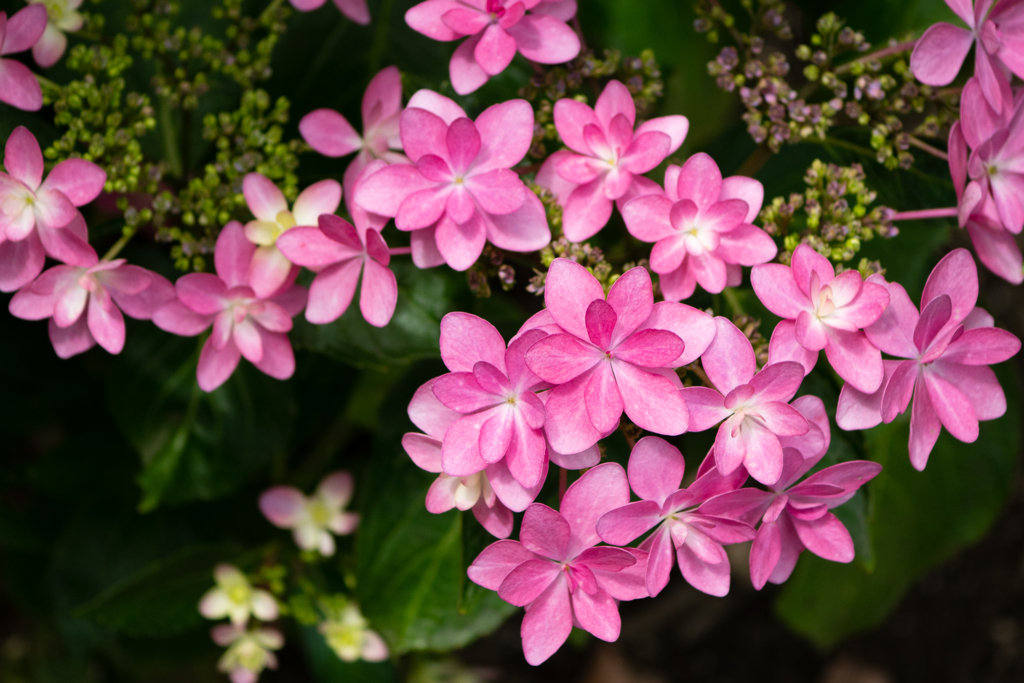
{"x": 400, "y": 251}
{"x": 47, "y": 83}
{"x": 734, "y": 302}
{"x": 880, "y": 54}
{"x": 119, "y": 244}
{"x": 949, "y": 212}
{"x": 563, "y": 481}
{"x": 921, "y": 144}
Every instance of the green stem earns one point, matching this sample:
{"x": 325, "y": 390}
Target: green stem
{"x": 380, "y": 38}
{"x": 171, "y": 150}
{"x": 47, "y": 83}
{"x": 119, "y": 245}
{"x": 734, "y": 301}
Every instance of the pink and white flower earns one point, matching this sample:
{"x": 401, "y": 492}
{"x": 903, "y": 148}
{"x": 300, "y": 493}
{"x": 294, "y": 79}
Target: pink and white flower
{"x": 349, "y": 635}
{"x": 497, "y": 29}
{"x": 234, "y": 597}
{"x": 355, "y": 10}
{"x": 314, "y": 520}
{"x": 63, "y": 17}
{"x": 18, "y": 86}
{"x": 249, "y": 652}
{"x": 556, "y": 571}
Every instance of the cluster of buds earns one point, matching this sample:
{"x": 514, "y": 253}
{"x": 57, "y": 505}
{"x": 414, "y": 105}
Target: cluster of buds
{"x": 490, "y": 264}
{"x": 590, "y": 257}
{"x": 768, "y": 18}
{"x": 832, "y": 215}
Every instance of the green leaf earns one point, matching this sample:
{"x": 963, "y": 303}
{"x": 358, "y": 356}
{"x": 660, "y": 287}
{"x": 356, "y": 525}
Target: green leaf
{"x": 915, "y": 521}
{"x": 161, "y": 599}
{"x": 328, "y": 668}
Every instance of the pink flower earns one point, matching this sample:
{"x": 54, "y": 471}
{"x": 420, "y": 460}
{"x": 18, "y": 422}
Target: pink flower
{"x": 822, "y": 311}
{"x": 315, "y": 519}
{"x": 948, "y": 346}
{"x": 655, "y": 472}
{"x": 64, "y": 18}
{"x": 355, "y": 10}
{"x": 338, "y": 252}
{"x": 330, "y": 134}
{"x": 701, "y": 227}
{"x": 244, "y": 324}
{"x": 796, "y": 517}
{"x": 497, "y": 29}
{"x": 555, "y": 571}
{"x": 84, "y": 303}
{"x": 461, "y": 191}
{"x": 37, "y": 217}
{"x": 607, "y": 157}
{"x": 18, "y": 86}
{"x": 270, "y": 268}
{"x": 753, "y": 405}
{"x": 614, "y": 355}
{"x": 997, "y": 34}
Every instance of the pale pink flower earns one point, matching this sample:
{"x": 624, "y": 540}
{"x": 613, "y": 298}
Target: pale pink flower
{"x": 614, "y": 355}
{"x": 234, "y": 597}
{"x": 822, "y": 311}
{"x": 63, "y": 17}
{"x": 795, "y": 516}
{"x": 656, "y": 470}
{"x": 249, "y": 652}
{"x": 18, "y": 86}
{"x": 949, "y": 345}
{"x": 606, "y": 159}
{"x": 752, "y": 406}
{"x": 348, "y": 634}
{"x": 995, "y": 28}
{"x": 37, "y": 217}
{"x": 497, "y": 29}
{"x": 315, "y": 519}
{"x": 330, "y": 134}
{"x": 701, "y": 227}
{"x": 461, "y": 192}
{"x": 355, "y": 10}
{"x": 270, "y": 268}
{"x": 555, "y": 571}
{"x": 84, "y": 303}
{"x": 243, "y": 323}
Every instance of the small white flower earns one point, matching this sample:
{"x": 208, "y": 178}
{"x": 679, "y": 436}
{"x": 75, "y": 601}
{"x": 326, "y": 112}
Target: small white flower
{"x": 350, "y": 638}
{"x": 248, "y": 653}
{"x": 313, "y": 520}
{"x": 62, "y": 17}
{"x": 235, "y": 598}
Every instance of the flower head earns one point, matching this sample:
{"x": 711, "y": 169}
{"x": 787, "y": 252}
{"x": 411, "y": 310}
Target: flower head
{"x": 62, "y": 17}
{"x": 355, "y": 10}
{"x": 249, "y": 651}
{"x": 314, "y": 519}
{"x": 18, "y": 86}
{"x": 351, "y": 639}
{"x": 607, "y": 157}
{"x": 497, "y": 29}
{"x": 235, "y": 598}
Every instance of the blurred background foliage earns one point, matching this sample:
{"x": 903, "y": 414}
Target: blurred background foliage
{"x": 122, "y": 484}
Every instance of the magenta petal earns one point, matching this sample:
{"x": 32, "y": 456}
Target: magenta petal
{"x": 568, "y": 292}
{"x": 467, "y": 340}
{"x": 545, "y": 532}
{"x": 23, "y": 158}
{"x": 19, "y": 87}
{"x": 79, "y": 180}
{"x": 957, "y": 276}
{"x": 283, "y": 506}
{"x": 826, "y": 537}
{"x": 332, "y": 290}
{"x": 939, "y": 53}
{"x": 71, "y": 341}
{"x": 982, "y": 346}
{"x": 729, "y": 360}
{"x": 600, "y": 490}
{"x": 855, "y": 359}
{"x": 661, "y": 557}
{"x": 696, "y": 328}
{"x": 586, "y": 211}
{"x": 329, "y": 133}
{"x": 547, "y": 623}
{"x": 764, "y": 554}
{"x": 650, "y": 400}
{"x": 952, "y": 407}
{"x": 545, "y": 39}
{"x": 492, "y": 565}
{"x": 622, "y": 525}
{"x": 631, "y": 297}
{"x": 216, "y": 366}
{"x": 712, "y": 579}
{"x": 655, "y": 469}
{"x": 567, "y": 425}
{"x": 498, "y": 520}
{"x": 924, "y": 426}
{"x": 525, "y": 583}
{"x": 495, "y": 50}
{"x": 597, "y": 614}
{"x": 466, "y": 74}
{"x": 777, "y": 289}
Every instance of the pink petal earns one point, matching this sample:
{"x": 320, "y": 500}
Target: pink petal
{"x": 747, "y": 189}
{"x": 957, "y": 276}
{"x": 776, "y": 382}
{"x": 216, "y": 366}
{"x": 650, "y": 400}
{"x": 423, "y": 450}
{"x": 24, "y": 28}
{"x": 66, "y": 244}
{"x": 79, "y": 180}
{"x": 567, "y": 425}
{"x": 310, "y": 247}
{"x": 571, "y": 118}
{"x": 233, "y": 255}
{"x": 854, "y": 358}
{"x": 23, "y": 158}
{"x": 528, "y": 581}
{"x": 826, "y": 537}
{"x": 71, "y": 341}
{"x": 764, "y": 554}
{"x": 857, "y": 410}
{"x": 379, "y": 294}
{"x": 358, "y": 12}
{"x": 465, "y": 73}
{"x": 784, "y": 347}
{"x": 19, "y": 87}
{"x": 545, "y": 532}
{"x": 385, "y": 191}
{"x": 51, "y": 208}
{"x": 675, "y": 127}
{"x": 777, "y": 289}
{"x": 647, "y": 217}
{"x": 924, "y": 426}
{"x": 806, "y": 262}
{"x": 495, "y": 50}
{"x": 893, "y": 332}
{"x": 647, "y": 151}
{"x": 952, "y": 407}
{"x": 460, "y": 450}
{"x": 278, "y": 359}
{"x": 461, "y": 245}
{"x": 632, "y": 298}
{"x": 650, "y": 349}
{"x": 177, "y": 318}
{"x": 547, "y": 623}
{"x": 329, "y": 133}
{"x": 467, "y": 340}
{"x": 746, "y": 245}
{"x": 545, "y": 39}
{"x": 696, "y": 328}
{"x": 465, "y": 21}
{"x": 524, "y": 230}
{"x": 705, "y": 407}
{"x": 939, "y": 53}
{"x": 700, "y": 181}
{"x": 599, "y": 490}
{"x": 283, "y": 506}
{"x": 497, "y": 192}
{"x": 492, "y": 565}
{"x": 319, "y": 198}
{"x": 498, "y": 520}
{"x": 998, "y": 251}
{"x": 597, "y": 614}
{"x": 568, "y": 292}
{"x": 426, "y": 18}
{"x": 332, "y": 290}
{"x": 782, "y": 420}
{"x": 622, "y": 525}
{"x": 712, "y": 579}
{"x": 263, "y": 197}
{"x": 586, "y": 211}
{"x": 729, "y": 359}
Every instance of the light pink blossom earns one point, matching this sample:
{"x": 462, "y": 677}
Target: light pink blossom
{"x": 249, "y": 652}
{"x": 606, "y": 356}
{"x": 656, "y": 470}
{"x": 752, "y": 406}
{"x": 606, "y": 159}
{"x": 244, "y": 324}
{"x": 63, "y": 17}
{"x": 84, "y": 303}
{"x": 995, "y": 28}
{"x": 497, "y": 29}
{"x": 270, "y": 268}
{"x": 313, "y": 519}
{"x": 18, "y": 86}
{"x": 330, "y": 134}
{"x": 461, "y": 192}
{"x": 355, "y": 10}
{"x": 948, "y": 346}
{"x": 701, "y": 227}
{"x": 822, "y": 311}
{"x": 555, "y": 571}
{"x": 37, "y": 217}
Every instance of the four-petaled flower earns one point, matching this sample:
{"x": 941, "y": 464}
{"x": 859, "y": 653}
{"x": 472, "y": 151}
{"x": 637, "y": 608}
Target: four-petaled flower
{"x": 249, "y": 651}
{"x": 63, "y": 17}
{"x": 656, "y": 470}
{"x": 606, "y": 159}
{"x": 315, "y": 519}
{"x": 948, "y": 346}
{"x": 351, "y": 639}
{"x": 701, "y": 227}
{"x": 235, "y": 598}
{"x": 18, "y": 86}
{"x": 555, "y": 571}
{"x": 496, "y": 30}
{"x": 822, "y": 311}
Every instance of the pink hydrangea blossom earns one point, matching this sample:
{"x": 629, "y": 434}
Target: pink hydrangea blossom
{"x": 496, "y": 30}
{"x": 63, "y": 18}
{"x": 558, "y": 574}
{"x": 752, "y": 406}
{"x": 18, "y": 86}
{"x": 37, "y": 217}
{"x": 355, "y": 10}
{"x": 330, "y": 134}
{"x": 948, "y": 346}
{"x": 656, "y": 470}
{"x": 461, "y": 192}
{"x": 244, "y": 324}
{"x": 270, "y": 268}
{"x": 606, "y": 356}
{"x": 795, "y": 516}
{"x": 84, "y": 303}
{"x": 996, "y": 29}
{"x": 314, "y": 519}
{"x": 701, "y": 227}
{"x": 606, "y": 159}
{"x": 822, "y": 311}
